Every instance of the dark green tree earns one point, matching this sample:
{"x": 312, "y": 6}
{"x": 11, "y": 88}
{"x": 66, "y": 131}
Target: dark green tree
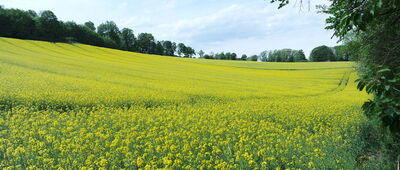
{"x": 299, "y": 56}
{"x": 169, "y": 48}
{"x": 264, "y": 56}
{"x": 253, "y": 58}
{"x": 341, "y": 53}
{"x": 128, "y": 39}
{"x": 208, "y": 56}
{"x": 185, "y": 51}
{"x": 233, "y": 56}
{"x": 146, "y": 43}
{"x": 283, "y": 55}
{"x": 32, "y": 13}
{"x": 90, "y": 25}
{"x": 49, "y": 27}
{"x": 159, "y": 49}
{"x": 17, "y": 23}
{"x": 181, "y": 49}
{"x": 110, "y": 30}
{"x": 201, "y": 53}
{"x": 220, "y": 56}
{"x": 244, "y": 57}
{"x": 322, "y": 53}
{"x": 72, "y": 32}
{"x": 82, "y": 34}
{"x": 190, "y": 52}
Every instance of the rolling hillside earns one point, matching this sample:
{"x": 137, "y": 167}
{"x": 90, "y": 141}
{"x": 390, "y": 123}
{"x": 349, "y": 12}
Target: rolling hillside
{"x": 74, "y": 105}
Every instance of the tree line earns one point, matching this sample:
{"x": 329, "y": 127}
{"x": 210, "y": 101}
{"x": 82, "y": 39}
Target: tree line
{"x": 318, "y": 54}
{"x": 45, "y": 26}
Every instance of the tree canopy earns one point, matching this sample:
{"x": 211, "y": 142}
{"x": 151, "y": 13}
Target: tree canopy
{"x": 128, "y": 39}
{"x": 90, "y": 25}
{"x": 185, "y": 51}
{"x": 322, "y": 53}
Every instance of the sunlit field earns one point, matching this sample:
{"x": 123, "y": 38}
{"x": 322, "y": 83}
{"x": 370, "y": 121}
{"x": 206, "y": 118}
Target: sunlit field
{"x": 76, "y": 106}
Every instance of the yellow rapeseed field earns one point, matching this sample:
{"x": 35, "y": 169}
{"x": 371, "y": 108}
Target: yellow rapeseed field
{"x": 74, "y": 106}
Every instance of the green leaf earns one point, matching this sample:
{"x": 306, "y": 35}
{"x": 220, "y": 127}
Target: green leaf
{"x": 360, "y": 85}
{"x": 383, "y": 70}
{"x": 372, "y": 12}
{"x": 368, "y": 107}
{"x": 379, "y": 4}
{"x": 369, "y": 88}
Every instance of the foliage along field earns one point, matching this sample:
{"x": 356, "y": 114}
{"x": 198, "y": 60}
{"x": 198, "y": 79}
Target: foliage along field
{"x": 78, "y": 106}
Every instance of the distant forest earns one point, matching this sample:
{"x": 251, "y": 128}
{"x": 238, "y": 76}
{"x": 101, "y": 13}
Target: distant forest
{"x": 45, "y": 26}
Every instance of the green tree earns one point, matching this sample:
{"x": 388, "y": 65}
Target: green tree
{"x": 146, "y": 43}
{"x": 376, "y": 42}
{"x": 72, "y": 32}
{"x": 49, "y": 27}
{"x": 244, "y": 57}
{"x": 201, "y": 53}
{"x": 190, "y": 52}
{"x": 322, "y": 53}
{"x": 181, "y": 49}
{"x": 220, "y": 56}
{"x": 299, "y": 56}
{"x": 264, "y": 56}
{"x": 283, "y": 55}
{"x": 227, "y": 56}
{"x": 82, "y": 34}
{"x": 207, "y": 56}
{"x": 128, "y": 39}
{"x": 233, "y": 56}
{"x": 341, "y": 53}
{"x": 253, "y": 58}
{"x": 185, "y": 51}
{"x": 17, "y": 23}
{"x": 32, "y": 13}
{"x": 159, "y": 49}
{"x": 169, "y": 48}
{"x": 110, "y": 30}
{"x": 90, "y": 25}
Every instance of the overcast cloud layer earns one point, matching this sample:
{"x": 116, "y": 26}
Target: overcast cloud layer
{"x": 240, "y": 26}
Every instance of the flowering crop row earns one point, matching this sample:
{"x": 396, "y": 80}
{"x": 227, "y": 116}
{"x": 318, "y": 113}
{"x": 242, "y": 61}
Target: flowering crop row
{"x": 66, "y": 106}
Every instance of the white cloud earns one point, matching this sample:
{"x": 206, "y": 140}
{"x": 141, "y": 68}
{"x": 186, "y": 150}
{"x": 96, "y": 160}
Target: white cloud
{"x": 249, "y": 28}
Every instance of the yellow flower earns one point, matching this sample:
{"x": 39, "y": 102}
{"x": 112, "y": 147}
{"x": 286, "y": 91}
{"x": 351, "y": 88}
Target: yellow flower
{"x": 310, "y": 165}
{"x": 103, "y": 162}
{"x": 167, "y": 161}
{"x": 139, "y": 161}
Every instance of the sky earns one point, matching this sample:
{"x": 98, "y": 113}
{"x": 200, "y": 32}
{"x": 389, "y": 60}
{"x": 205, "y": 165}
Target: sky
{"x": 240, "y": 26}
